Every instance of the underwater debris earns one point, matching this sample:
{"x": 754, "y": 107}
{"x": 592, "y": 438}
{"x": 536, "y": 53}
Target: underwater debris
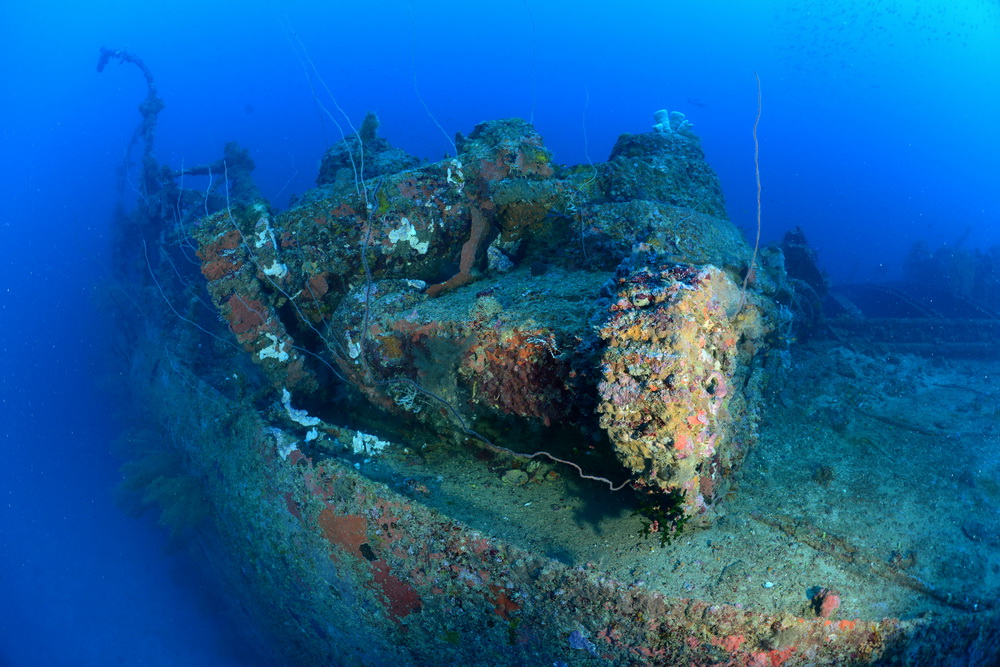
{"x": 365, "y": 151}
{"x": 679, "y": 347}
{"x": 150, "y": 108}
{"x": 521, "y": 354}
{"x": 338, "y": 563}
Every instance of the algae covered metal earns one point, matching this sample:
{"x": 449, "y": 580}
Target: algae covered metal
{"x": 403, "y": 400}
{"x": 439, "y": 292}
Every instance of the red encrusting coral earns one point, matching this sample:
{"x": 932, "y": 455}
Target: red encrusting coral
{"x": 218, "y": 258}
{"x": 348, "y": 532}
{"x": 245, "y": 315}
{"x": 825, "y": 601}
{"x": 401, "y": 598}
{"x": 518, "y": 372}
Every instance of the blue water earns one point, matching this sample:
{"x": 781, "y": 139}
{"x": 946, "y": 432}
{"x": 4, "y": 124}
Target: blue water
{"x": 878, "y": 129}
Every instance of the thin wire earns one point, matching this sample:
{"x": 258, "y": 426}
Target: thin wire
{"x": 756, "y": 167}
{"x": 416, "y": 87}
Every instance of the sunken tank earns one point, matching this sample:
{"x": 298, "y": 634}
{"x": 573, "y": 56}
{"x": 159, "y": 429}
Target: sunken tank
{"x": 494, "y": 410}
